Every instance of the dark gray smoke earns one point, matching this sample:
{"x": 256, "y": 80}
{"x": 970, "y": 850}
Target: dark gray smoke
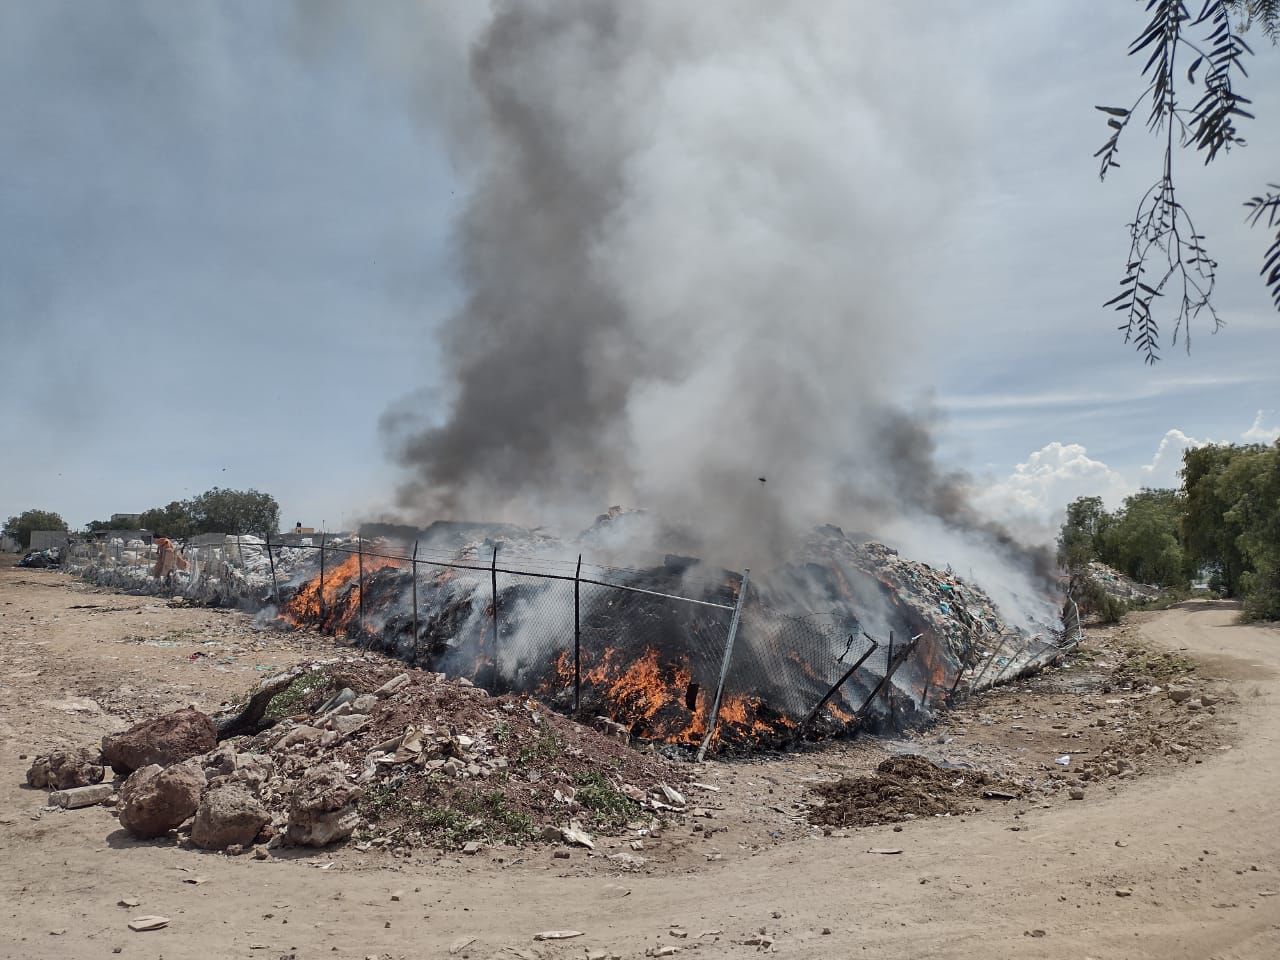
{"x": 689, "y": 257}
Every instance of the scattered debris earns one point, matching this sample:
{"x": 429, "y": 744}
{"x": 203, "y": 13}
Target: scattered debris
{"x": 141, "y": 924}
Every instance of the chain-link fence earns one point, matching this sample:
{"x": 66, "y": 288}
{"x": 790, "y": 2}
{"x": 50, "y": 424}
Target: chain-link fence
{"x": 668, "y": 658}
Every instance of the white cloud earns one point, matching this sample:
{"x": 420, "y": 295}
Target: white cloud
{"x": 1032, "y": 500}
{"x": 1163, "y": 469}
{"x": 1260, "y": 434}
{"x": 1033, "y": 497}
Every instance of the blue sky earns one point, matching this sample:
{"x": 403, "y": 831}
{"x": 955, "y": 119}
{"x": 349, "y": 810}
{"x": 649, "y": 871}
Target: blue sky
{"x": 225, "y": 246}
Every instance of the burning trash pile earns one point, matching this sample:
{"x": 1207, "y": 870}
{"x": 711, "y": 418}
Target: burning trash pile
{"x": 344, "y": 749}
{"x": 847, "y": 635}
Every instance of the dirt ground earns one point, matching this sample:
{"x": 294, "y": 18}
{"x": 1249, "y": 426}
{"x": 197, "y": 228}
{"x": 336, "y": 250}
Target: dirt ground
{"x": 1174, "y": 850}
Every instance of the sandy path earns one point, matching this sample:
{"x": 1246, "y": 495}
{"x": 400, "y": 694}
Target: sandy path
{"x": 971, "y": 889}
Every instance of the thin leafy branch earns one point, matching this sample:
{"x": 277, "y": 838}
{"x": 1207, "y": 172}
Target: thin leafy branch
{"x": 1267, "y": 207}
{"x": 1167, "y": 256}
{"x": 1264, "y": 14}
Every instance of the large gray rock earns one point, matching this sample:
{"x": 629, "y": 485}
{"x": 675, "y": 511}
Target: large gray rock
{"x": 155, "y": 799}
{"x": 323, "y": 808}
{"x": 164, "y": 740}
{"x": 229, "y": 815}
{"x": 65, "y": 769}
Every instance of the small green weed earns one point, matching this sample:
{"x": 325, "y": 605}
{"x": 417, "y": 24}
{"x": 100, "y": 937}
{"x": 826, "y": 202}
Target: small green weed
{"x": 546, "y": 747}
{"x": 287, "y": 701}
{"x": 606, "y": 804}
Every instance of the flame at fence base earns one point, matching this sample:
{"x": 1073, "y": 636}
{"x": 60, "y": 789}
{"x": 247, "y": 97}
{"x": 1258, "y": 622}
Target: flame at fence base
{"x": 654, "y": 701}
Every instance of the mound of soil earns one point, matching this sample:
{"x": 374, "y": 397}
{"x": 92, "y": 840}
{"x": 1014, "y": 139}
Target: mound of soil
{"x": 903, "y": 788}
{"x": 494, "y": 769}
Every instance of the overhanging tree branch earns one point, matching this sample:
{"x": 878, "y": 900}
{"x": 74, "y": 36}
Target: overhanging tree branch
{"x": 1167, "y": 256}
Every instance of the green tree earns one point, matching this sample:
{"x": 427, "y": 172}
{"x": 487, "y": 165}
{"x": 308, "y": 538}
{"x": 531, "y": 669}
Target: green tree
{"x": 1251, "y": 483}
{"x": 234, "y": 511}
{"x": 1081, "y": 536}
{"x": 173, "y": 520}
{"x": 1212, "y": 539}
{"x": 1144, "y": 543}
{"x": 20, "y": 527}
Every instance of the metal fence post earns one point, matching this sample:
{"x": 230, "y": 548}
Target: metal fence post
{"x": 360, "y": 561}
{"x": 493, "y": 587}
{"x": 275, "y": 587}
{"x": 414, "y": 568}
{"x": 888, "y": 665}
{"x": 724, "y": 666}
{"x": 577, "y": 637}
{"x": 322, "y": 610}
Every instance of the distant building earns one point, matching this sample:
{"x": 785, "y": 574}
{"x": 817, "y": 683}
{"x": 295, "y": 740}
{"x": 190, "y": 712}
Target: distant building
{"x": 126, "y": 521}
{"x": 49, "y": 539}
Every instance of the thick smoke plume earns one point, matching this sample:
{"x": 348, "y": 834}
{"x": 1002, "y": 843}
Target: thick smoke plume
{"x": 689, "y": 257}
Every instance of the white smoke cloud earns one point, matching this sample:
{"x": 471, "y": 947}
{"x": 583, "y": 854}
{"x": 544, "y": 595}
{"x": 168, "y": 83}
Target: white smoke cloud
{"x": 692, "y": 254}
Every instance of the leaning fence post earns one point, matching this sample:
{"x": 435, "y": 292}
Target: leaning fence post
{"x": 360, "y": 555}
{"x": 493, "y": 587}
{"x": 804, "y": 724}
{"x": 322, "y": 611}
{"x": 724, "y": 666}
{"x": 577, "y": 637}
{"x": 414, "y": 568}
{"x": 275, "y": 587}
{"x": 977, "y": 678}
{"x": 890, "y": 669}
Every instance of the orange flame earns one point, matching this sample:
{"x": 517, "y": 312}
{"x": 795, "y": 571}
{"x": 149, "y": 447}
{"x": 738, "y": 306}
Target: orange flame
{"x": 337, "y": 601}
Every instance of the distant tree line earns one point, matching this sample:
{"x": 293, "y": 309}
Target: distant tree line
{"x": 1223, "y": 523}
{"x": 21, "y": 526}
{"x": 214, "y": 511}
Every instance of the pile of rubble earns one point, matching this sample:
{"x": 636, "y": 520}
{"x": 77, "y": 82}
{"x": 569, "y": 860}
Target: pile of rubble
{"x": 351, "y": 748}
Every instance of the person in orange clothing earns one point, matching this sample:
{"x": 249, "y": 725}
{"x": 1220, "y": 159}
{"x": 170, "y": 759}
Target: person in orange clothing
{"x": 167, "y": 558}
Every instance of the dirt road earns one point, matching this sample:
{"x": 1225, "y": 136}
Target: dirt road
{"x": 1183, "y": 864}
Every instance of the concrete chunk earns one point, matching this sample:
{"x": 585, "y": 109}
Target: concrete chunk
{"x": 391, "y": 686}
{"x": 77, "y": 797}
